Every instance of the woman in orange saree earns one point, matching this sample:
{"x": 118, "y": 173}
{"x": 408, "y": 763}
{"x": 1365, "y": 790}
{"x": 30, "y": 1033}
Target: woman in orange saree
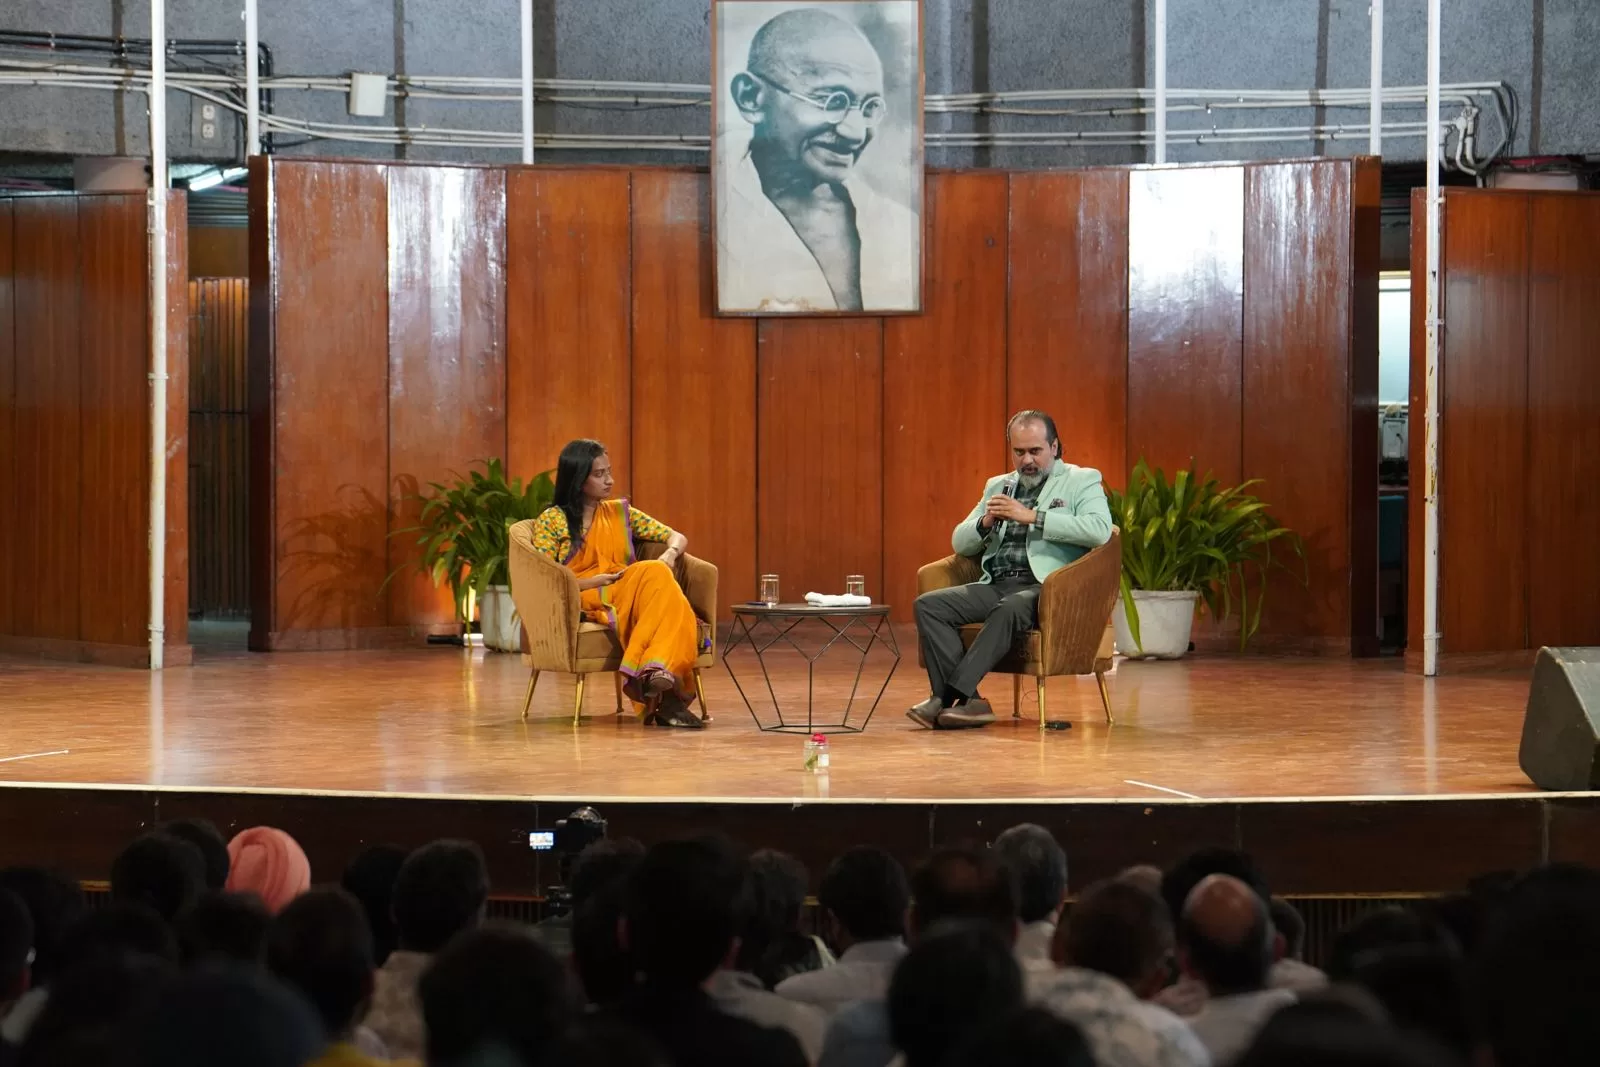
{"x": 640, "y": 599}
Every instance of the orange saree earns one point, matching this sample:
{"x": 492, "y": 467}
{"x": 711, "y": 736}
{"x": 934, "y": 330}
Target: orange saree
{"x": 645, "y": 606}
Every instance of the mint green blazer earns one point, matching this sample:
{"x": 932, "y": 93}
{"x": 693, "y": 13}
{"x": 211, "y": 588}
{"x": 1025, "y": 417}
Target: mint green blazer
{"x": 1076, "y": 519}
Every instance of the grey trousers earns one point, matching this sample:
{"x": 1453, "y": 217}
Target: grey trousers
{"x": 1006, "y": 610}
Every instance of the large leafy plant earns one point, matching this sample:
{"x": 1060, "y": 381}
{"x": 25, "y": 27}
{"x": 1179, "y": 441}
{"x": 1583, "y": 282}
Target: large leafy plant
{"x": 464, "y": 527}
{"x": 1192, "y": 534}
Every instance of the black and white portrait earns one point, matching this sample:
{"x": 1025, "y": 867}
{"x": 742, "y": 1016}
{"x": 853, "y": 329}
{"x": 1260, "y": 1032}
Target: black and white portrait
{"x": 817, "y": 156}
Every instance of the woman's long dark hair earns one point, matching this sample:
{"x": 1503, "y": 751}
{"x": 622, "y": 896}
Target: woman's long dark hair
{"x": 572, "y": 470}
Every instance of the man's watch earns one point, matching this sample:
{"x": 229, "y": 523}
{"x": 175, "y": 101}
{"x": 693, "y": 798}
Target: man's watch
{"x": 1038, "y": 518}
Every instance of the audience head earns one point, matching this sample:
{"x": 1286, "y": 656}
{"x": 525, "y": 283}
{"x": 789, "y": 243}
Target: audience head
{"x": 962, "y": 883}
{"x": 91, "y": 1010}
{"x": 603, "y": 1041}
{"x": 1290, "y": 925}
{"x": 1179, "y": 881}
{"x": 1030, "y": 1037}
{"x": 602, "y": 863}
{"x": 16, "y": 946}
{"x": 223, "y": 927}
{"x": 863, "y": 895}
{"x": 269, "y": 863}
{"x": 1146, "y": 876}
{"x": 955, "y": 981}
{"x": 320, "y": 946}
{"x": 1037, "y": 865}
{"x": 441, "y": 890}
{"x": 204, "y": 835}
{"x": 493, "y": 990}
{"x": 771, "y": 946}
{"x": 1328, "y": 1034}
{"x": 115, "y": 931}
{"x": 682, "y": 911}
{"x": 160, "y": 871}
{"x": 604, "y": 967}
{"x": 370, "y": 878}
{"x": 228, "y": 1014}
{"x": 1225, "y": 935}
{"x": 1535, "y": 980}
{"x": 1378, "y": 931}
{"x": 1120, "y": 930}
{"x": 1422, "y": 990}
{"x": 54, "y": 903}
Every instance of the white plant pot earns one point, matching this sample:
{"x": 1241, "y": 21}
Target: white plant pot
{"x": 1165, "y": 620}
{"x": 497, "y": 618}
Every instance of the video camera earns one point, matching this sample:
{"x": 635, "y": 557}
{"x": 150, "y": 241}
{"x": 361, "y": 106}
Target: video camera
{"x": 570, "y": 837}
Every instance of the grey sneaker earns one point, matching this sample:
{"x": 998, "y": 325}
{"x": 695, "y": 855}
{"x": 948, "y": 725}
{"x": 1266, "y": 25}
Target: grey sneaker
{"x": 975, "y": 712}
{"x": 926, "y": 714}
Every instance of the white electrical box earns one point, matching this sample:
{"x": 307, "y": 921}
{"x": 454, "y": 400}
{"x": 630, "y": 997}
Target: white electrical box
{"x": 369, "y": 95}
{"x": 1393, "y": 432}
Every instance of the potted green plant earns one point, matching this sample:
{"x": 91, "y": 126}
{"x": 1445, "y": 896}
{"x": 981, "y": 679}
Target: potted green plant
{"x": 465, "y": 542}
{"x": 1191, "y": 540}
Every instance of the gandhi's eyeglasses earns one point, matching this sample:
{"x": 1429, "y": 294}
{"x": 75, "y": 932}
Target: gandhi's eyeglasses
{"x": 837, "y": 105}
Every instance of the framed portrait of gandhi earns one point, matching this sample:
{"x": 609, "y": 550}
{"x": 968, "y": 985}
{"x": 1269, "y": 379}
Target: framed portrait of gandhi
{"x": 816, "y": 157}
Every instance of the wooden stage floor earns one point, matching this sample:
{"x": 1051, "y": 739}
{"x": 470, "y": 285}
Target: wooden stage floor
{"x": 445, "y": 721}
{"x": 1342, "y": 777}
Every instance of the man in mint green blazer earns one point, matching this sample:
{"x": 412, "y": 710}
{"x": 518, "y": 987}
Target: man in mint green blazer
{"x": 1043, "y": 515}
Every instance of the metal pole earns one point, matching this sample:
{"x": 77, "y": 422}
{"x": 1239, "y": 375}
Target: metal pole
{"x": 1430, "y": 382}
{"x": 1375, "y": 139}
{"x": 252, "y": 80}
{"x": 158, "y": 330}
{"x": 1161, "y": 81}
{"x": 527, "y": 81}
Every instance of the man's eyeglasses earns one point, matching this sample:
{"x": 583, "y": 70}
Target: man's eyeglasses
{"x": 837, "y": 105}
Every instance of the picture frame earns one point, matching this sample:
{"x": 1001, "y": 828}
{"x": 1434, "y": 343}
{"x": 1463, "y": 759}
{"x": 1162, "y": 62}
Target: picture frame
{"x": 817, "y": 159}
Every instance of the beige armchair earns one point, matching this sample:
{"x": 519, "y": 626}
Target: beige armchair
{"x": 556, "y": 637}
{"x": 1074, "y": 634}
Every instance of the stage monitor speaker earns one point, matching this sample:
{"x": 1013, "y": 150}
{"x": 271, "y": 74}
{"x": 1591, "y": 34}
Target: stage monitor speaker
{"x": 1561, "y": 730}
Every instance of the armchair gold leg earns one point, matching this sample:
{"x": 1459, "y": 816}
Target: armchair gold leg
{"x": 527, "y": 698}
{"x": 1041, "y": 704}
{"x": 1016, "y": 696}
{"x": 700, "y": 691}
{"x": 577, "y": 702}
{"x": 1105, "y": 697}
{"x": 617, "y": 678}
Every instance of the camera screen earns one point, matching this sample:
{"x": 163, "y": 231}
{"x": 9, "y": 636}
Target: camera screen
{"x": 541, "y": 840}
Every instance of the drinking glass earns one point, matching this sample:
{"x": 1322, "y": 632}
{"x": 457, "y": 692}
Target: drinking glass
{"x": 855, "y": 585}
{"x": 769, "y": 590}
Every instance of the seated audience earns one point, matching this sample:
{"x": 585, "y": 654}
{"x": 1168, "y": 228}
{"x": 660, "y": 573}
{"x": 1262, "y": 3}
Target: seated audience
{"x": 114, "y": 931}
{"x": 764, "y": 915}
{"x": 1225, "y": 941}
{"x": 1114, "y": 951}
{"x": 953, "y": 884}
{"x": 160, "y": 871}
{"x": 1038, "y": 868}
{"x": 320, "y": 946}
{"x": 227, "y": 1015}
{"x": 269, "y": 863}
{"x": 1536, "y": 978}
{"x": 223, "y": 926}
{"x": 1379, "y": 931}
{"x": 16, "y": 958}
{"x": 493, "y": 992}
{"x": 204, "y": 835}
{"x": 1029, "y": 1037}
{"x": 1187, "y": 996}
{"x": 370, "y": 878}
{"x": 92, "y": 1009}
{"x": 603, "y": 1041}
{"x": 601, "y": 962}
{"x": 1317, "y": 1035}
{"x": 679, "y": 924}
{"x": 600, "y": 864}
{"x": 1423, "y": 991}
{"x": 959, "y": 978}
{"x": 441, "y": 890}
{"x": 863, "y": 897}
{"x": 773, "y": 947}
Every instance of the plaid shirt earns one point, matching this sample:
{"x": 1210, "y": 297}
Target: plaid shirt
{"x": 1012, "y": 558}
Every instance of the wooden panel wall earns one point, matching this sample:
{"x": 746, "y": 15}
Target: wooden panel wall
{"x": 1119, "y": 299}
{"x": 1519, "y": 441}
{"x": 75, "y": 394}
{"x": 447, "y": 370}
{"x": 1067, "y": 311}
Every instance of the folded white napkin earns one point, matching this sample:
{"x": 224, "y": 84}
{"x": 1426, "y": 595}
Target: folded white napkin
{"x": 837, "y": 600}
